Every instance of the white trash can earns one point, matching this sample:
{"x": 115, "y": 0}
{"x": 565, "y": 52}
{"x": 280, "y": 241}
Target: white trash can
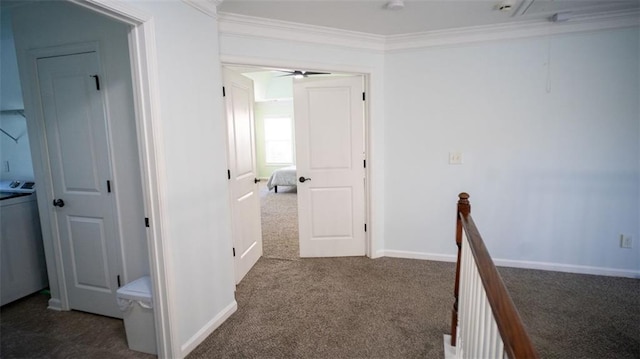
{"x": 135, "y": 300}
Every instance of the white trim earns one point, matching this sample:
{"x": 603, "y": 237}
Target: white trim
{"x": 249, "y": 26}
{"x": 556, "y": 267}
{"x": 243, "y": 25}
{"x": 449, "y": 351}
{"x": 417, "y": 255}
{"x": 511, "y": 31}
{"x": 116, "y": 10}
{"x": 150, "y": 141}
{"x": 27, "y": 66}
{"x": 144, "y": 70}
{"x": 231, "y": 60}
{"x": 208, "y": 328}
{"x": 568, "y": 268}
{"x": 55, "y": 304}
{"x": 209, "y": 7}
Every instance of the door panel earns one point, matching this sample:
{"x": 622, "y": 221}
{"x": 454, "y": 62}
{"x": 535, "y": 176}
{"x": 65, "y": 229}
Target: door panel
{"x": 329, "y": 128}
{"x": 334, "y": 224}
{"x": 88, "y": 252}
{"x": 76, "y": 138}
{"x": 76, "y": 156}
{"x": 245, "y": 201}
{"x": 329, "y": 115}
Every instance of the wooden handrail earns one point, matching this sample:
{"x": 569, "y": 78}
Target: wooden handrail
{"x": 517, "y": 344}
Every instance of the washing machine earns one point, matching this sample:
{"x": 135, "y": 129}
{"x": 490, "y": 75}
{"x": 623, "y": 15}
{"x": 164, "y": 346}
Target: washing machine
{"x": 23, "y": 265}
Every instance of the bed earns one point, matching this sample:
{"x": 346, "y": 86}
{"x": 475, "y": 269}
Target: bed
{"x": 285, "y": 176}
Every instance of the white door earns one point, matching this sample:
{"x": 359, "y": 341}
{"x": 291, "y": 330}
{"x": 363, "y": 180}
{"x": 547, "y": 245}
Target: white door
{"x": 329, "y": 118}
{"x": 245, "y": 198}
{"x": 83, "y": 208}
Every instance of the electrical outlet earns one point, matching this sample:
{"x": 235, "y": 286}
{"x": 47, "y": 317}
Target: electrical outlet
{"x": 626, "y": 241}
{"x": 455, "y": 158}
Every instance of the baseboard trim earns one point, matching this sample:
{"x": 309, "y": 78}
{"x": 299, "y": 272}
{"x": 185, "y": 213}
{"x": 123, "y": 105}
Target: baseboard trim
{"x": 449, "y": 351}
{"x": 55, "y": 304}
{"x": 568, "y": 268}
{"x": 208, "y": 328}
{"x": 556, "y": 267}
{"x": 417, "y": 255}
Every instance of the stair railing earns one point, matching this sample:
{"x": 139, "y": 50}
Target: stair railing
{"x": 484, "y": 322}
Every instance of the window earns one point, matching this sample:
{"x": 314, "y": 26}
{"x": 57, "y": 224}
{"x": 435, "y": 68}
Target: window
{"x": 278, "y": 140}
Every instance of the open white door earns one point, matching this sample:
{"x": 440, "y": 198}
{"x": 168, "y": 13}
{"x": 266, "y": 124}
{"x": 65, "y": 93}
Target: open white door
{"x": 76, "y": 139}
{"x": 329, "y": 118}
{"x": 245, "y": 199}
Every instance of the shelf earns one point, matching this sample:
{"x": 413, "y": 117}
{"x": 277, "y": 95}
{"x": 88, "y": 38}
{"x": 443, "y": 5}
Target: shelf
{"x": 12, "y": 112}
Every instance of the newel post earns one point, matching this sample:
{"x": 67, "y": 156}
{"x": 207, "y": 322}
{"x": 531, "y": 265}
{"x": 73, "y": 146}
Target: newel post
{"x": 464, "y": 208}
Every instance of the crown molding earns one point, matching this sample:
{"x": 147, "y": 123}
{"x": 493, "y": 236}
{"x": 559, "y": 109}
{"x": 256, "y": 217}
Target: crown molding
{"x": 209, "y": 7}
{"x": 514, "y": 30}
{"x": 249, "y": 26}
{"x": 243, "y": 25}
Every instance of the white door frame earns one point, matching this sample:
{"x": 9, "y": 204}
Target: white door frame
{"x": 226, "y": 60}
{"x": 149, "y": 137}
{"x": 37, "y": 133}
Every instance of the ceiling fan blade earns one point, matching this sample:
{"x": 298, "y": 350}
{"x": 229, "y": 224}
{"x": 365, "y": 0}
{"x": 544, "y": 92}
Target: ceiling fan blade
{"x": 308, "y": 73}
{"x": 299, "y": 73}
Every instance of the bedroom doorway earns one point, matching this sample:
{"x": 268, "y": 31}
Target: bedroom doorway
{"x": 273, "y": 108}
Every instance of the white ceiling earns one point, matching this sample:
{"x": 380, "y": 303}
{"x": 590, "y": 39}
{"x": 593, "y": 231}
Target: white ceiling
{"x": 370, "y": 16}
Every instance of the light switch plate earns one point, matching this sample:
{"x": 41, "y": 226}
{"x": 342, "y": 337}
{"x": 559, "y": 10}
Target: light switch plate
{"x": 455, "y": 158}
{"x": 626, "y": 241}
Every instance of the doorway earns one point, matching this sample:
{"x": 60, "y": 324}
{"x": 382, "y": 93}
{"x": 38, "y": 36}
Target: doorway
{"x": 271, "y": 103}
{"x": 83, "y": 249}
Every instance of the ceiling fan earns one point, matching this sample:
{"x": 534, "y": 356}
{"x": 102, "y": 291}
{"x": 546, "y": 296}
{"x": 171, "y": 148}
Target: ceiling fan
{"x": 298, "y": 74}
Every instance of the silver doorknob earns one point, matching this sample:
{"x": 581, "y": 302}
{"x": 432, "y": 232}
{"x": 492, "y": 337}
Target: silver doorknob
{"x": 302, "y": 179}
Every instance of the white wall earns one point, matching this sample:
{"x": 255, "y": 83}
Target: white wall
{"x": 549, "y": 129}
{"x": 18, "y": 155}
{"x": 558, "y": 144}
{"x": 291, "y": 54}
{"x": 198, "y": 225}
{"x": 271, "y": 86}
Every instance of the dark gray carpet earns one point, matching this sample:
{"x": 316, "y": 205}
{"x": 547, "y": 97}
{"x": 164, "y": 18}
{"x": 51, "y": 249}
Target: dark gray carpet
{"x": 29, "y": 330}
{"x": 577, "y": 316}
{"x": 351, "y": 308}
{"x": 399, "y": 308}
{"x": 337, "y": 308}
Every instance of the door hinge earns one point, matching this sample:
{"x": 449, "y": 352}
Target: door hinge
{"x": 224, "y": 92}
{"x": 97, "y": 78}
{"x": 108, "y": 186}
{"x": 365, "y": 227}
{"x": 119, "y": 281}
{"x": 234, "y": 252}
{"x": 364, "y": 97}
{"x": 228, "y": 174}
{"x": 365, "y": 163}
{"x": 146, "y": 221}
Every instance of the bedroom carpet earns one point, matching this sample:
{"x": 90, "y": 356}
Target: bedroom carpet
{"x": 279, "y": 222}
